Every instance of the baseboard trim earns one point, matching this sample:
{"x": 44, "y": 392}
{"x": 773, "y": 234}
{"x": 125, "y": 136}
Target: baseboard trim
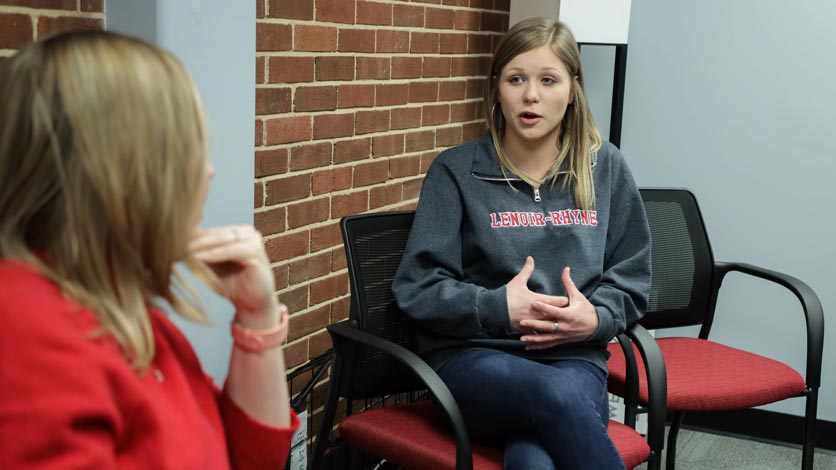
{"x": 761, "y": 424}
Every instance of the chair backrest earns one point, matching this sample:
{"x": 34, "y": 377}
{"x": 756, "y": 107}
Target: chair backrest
{"x": 374, "y": 245}
{"x": 682, "y": 262}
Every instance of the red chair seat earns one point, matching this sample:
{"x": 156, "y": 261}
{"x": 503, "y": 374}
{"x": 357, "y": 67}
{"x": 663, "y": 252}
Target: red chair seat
{"x": 704, "y": 375}
{"x": 411, "y": 436}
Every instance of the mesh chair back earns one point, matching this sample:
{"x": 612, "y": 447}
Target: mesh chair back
{"x": 682, "y": 261}
{"x": 374, "y": 245}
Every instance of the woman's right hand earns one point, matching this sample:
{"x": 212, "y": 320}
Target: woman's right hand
{"x": 236, "y": 254}
{"x": 521, "y": 299}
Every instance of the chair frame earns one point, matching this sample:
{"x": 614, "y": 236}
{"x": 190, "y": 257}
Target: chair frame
{"x": 351, "y": 342}
{"x": 704, "y": 316}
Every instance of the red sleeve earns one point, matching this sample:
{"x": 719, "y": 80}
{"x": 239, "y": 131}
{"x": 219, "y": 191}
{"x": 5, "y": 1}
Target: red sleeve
{"x": 42, "y": 343}
{"x": 253, "y": 444}
{"x": 250, "y": 444}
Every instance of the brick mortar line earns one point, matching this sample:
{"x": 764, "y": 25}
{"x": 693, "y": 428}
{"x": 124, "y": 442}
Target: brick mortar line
{"x": 369, "y": 55}
{"x": 307, "y": 282}
{"x": 372, "y": 27}
{"x": 367, "y": 134}
{"x": 316, "y": 54}
{"x": 289, "y": 145}
{"x": 297, "y": 340}
{"x": 371, "y": 158}
{"x": 330, "y": 221}
{"x": 401, "y": 179}
{"x": 311, "y": 308}
{"x": 341, "y": 192}
{"x": 356, "y": 109}
{"x": 432, "y": 6}
{"x": 269, "y": 178}
{"x": 337, "y": 53}
{"x": 331, "y": 112}
{"x": 337, "y": 112}
{"x": 51, "y": 12}
{"x": 396, "y": 81}
{"x": 369, "y": 81}
{"x": 364, "y": 26}
{"x": 360, "y": 108}
{"x": 378, "y": 55}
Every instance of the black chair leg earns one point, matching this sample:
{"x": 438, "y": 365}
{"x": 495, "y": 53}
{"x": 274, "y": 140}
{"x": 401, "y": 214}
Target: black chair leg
{"x": 323, "y": 441}
{"x": 656, "y": 462}
{"x": 809, "y": 447}
{"x": 670, "y": 463}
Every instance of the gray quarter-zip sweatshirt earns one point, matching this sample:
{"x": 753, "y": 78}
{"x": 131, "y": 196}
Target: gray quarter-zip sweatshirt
{"x": 474, "y": 227}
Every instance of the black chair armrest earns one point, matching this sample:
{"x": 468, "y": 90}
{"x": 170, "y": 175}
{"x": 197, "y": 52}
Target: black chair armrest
{"x": 657, "y": 386}
{"x": 810, "y": 303}
{"x": 349, "y": 331}
{"x": 631, "y": 382}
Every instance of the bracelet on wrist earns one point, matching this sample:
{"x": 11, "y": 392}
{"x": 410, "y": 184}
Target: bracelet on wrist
{"x": 256, "y": 341}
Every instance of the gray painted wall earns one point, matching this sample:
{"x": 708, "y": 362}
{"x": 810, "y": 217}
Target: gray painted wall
{"x": 598, "y": 68}
{"x": 215, "y": 40}
{"x": 735, "y": 100}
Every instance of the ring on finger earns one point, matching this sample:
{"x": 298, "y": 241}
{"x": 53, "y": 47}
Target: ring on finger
{"x": 235, "y": 235}
{"x": 556, "y": 327}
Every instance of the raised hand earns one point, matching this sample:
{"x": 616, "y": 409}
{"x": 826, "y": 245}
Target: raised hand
{"x": 521, "y": 300}
{"x": 558, "y": 324}
{"x": 236, "y": 254}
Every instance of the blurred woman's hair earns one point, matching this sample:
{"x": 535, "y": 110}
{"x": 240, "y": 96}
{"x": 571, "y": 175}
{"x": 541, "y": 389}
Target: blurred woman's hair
{"x": 579, "y": 139}
{"x": 103, "y": 148}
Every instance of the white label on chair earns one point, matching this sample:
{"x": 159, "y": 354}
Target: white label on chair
{"x": 617, "y": 414}
{"x": 616, "y": 408}
{"x": 298, "y": 449}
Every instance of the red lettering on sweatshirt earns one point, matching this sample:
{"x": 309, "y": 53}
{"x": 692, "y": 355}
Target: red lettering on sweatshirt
{"x": 539, "y": 219}
{"x": 494, "y": 222}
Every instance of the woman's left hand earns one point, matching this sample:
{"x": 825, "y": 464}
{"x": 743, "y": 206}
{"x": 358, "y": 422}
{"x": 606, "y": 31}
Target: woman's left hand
{"x": 558, "y": 325}
{"x": 236, "y": 254}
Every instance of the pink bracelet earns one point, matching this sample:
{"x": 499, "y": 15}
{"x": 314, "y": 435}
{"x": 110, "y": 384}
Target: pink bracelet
{"x": 256, "y": 341}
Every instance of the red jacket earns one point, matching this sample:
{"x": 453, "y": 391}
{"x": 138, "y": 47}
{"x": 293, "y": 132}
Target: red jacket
{"x": 69, "y": 399}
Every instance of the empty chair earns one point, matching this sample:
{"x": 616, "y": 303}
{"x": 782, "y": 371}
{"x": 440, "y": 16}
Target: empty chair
{"x": 702, "y": 374}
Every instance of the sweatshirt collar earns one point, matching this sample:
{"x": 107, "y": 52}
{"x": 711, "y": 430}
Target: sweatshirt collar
{"x": 486, "y": 162}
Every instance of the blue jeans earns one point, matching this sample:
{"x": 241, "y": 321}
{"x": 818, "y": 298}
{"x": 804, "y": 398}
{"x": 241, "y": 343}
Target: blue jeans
{"x": 546, "y": 415}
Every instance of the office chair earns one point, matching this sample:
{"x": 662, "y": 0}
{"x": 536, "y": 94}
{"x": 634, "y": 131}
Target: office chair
{"x": 704, "y": 375}
{"x": 374, "y": 361}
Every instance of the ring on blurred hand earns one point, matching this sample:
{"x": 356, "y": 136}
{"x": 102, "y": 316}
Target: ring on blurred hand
{"x": 235, "y": 235}
{"x": 556, "y": 327}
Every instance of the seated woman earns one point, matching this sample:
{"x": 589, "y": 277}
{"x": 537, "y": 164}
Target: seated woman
{"x": 103, "y": 174}
{"x": 524, "y": 351}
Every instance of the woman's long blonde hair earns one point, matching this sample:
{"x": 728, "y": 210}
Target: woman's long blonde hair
{"x": 579, "y": 140}
{"x": 102, "y": 152}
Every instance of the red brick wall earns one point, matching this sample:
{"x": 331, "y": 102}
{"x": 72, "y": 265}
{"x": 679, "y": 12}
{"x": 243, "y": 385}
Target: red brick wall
{"x": 354, "y": 99}
{"x": 22, "y": 21}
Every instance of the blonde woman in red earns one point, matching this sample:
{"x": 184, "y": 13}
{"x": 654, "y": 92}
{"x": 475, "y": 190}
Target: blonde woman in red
{"x": 103, "y": 174}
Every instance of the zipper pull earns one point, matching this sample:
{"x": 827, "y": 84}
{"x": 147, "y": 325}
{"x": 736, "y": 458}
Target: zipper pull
{"x": 537, "y": 195}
